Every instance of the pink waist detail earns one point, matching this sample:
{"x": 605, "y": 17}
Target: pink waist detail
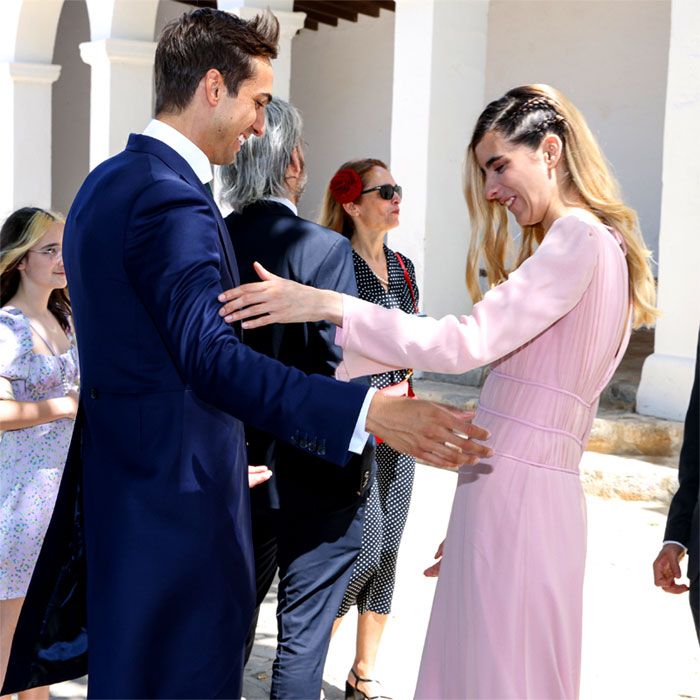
{"x": 541, "y": 385}
{"x": 566, "y": 470}
{"x": 534, "y": 423}
{"x": 530, "y": 424}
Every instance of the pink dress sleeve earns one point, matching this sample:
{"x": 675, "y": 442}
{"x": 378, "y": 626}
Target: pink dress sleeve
{"x": 542, "y": 290}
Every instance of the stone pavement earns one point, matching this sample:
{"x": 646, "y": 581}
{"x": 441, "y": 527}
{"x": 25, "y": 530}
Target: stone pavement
{"x": 639, "y": 643}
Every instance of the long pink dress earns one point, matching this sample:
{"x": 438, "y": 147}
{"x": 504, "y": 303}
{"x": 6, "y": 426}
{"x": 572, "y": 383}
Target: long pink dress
{"x": 506, "y": 619}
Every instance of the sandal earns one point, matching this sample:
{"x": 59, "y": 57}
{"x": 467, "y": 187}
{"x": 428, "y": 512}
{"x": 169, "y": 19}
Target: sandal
{"x": 354, "y": 693}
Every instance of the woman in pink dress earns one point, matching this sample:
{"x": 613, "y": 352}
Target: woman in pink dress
{"x": 506, "y": 619}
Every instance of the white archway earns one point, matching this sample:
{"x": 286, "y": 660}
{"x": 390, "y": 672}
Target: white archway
{"x": 70, "y": 100}
{"x": 27, "y": 37}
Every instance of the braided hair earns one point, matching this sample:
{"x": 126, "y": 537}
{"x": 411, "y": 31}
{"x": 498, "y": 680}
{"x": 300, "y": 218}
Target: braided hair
{"x": 524, "y": 116}
{"x": 521, "y": 118}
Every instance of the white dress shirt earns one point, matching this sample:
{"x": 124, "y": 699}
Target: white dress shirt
{"x": 198, "y": 161}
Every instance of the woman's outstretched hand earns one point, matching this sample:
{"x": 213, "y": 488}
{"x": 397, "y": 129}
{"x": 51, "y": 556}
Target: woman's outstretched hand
{"x": 434, "y": 570}
{"x": 277, "y": 300}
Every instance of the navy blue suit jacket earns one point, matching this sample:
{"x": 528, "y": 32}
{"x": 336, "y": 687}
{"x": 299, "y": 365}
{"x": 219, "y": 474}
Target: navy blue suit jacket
{"x": 165, "y": 386}
{"x": 683, "y": 524}
{"x": 300, "y": 250}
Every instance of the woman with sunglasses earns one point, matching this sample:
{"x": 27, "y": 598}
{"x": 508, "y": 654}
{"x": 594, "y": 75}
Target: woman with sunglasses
{"x": 362, "y": 202}
{"x": 38, "y": 402}
{"x": 507, "y": 616}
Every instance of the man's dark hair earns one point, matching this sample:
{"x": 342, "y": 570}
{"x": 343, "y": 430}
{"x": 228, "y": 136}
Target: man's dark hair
{"x": 203, "y": 39}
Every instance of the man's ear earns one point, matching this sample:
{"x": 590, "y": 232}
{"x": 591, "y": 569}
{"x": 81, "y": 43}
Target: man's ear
{"x": 214, "y": 87}
{"x": 295, "y": 166}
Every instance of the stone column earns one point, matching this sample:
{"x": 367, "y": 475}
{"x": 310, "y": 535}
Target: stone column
{"x": 439, "y": 82}
{"x": 25, "y": 134}
{"x": 667, "y": 375}
{"x": 121, "y": 99}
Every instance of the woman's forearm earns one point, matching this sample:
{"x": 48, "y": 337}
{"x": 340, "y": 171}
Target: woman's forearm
{"x": 15, "y": 415}
{"x": 330, "y": 306}
{"x": 278, "y": 300}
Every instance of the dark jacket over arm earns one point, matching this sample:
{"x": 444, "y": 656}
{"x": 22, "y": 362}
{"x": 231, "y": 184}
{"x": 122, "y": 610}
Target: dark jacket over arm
{"x": 682, "y": 524}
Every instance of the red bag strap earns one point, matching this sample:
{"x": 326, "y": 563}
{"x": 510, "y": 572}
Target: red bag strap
{"x": 408, "y": 280}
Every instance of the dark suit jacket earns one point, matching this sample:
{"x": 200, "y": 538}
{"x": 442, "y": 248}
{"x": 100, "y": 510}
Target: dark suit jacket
{"x": 682, "y": 524}
{"x": 305, "y": 252}
{"x": 166, "y": 385}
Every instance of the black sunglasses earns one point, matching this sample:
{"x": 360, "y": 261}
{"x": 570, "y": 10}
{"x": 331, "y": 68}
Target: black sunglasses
{"x": 385, "y": 191}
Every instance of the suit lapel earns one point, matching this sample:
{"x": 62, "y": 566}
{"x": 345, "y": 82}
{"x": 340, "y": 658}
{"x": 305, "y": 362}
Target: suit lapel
{"x": 229, "y": 255}
{"x": 138, "y": 142}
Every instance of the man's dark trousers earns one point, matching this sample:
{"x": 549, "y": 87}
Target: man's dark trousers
{"x": 315, "y": 554}
{"x": 307, "y": 519}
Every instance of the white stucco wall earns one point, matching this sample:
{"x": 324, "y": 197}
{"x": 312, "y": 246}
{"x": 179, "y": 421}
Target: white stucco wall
{"x": 611, "y": 59}
{"x": 342, "y": 83}
{"x": 70, "y": 144}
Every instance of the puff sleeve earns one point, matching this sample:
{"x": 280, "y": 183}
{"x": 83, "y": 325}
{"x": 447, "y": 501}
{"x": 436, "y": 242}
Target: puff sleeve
{"x": 15, "y": 345}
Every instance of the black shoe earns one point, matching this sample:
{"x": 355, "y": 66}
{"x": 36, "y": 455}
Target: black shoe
{"x": 356, "y": 694}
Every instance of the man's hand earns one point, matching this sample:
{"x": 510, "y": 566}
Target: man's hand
{"x": 434, "y": 434}
{"x": 667, "y": 568}
{"x": 257, "y": 475}
{"x": 434, "y": 570}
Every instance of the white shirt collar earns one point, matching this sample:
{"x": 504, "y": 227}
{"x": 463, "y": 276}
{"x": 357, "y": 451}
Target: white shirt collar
{"x": 287, "y": 203}
{"x": 194, "y": 156}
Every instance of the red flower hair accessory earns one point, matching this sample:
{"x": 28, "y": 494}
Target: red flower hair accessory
{"x": 346, "y": 186}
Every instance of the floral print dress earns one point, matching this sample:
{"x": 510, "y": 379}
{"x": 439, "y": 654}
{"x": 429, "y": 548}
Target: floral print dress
{"x": 31, "y": 459}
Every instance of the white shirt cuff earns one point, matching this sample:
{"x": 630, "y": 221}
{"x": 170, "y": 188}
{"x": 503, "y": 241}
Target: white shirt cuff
{"x": 360, "y": 435}
{"x": 680, "y": 544}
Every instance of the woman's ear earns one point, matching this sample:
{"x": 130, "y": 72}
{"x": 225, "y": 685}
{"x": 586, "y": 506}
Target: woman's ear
{"x": 552, "y": 150}
{"x": 351, "y": 209}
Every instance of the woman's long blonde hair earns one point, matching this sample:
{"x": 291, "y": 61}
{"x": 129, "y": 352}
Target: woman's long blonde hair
{"x": 524, "y": 116}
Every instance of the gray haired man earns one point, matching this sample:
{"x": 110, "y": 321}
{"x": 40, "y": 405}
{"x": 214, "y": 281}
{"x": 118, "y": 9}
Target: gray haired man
{"x": 307, "y": 519}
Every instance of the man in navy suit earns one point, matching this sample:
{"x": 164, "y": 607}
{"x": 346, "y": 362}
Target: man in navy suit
{"x": 683, "y": 525}
{"x": 307, "y": 519}
{"x": 165, "y": 383}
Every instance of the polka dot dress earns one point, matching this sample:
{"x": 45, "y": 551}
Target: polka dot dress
{"x": 31, "y": 459}
{"x": 371, "y": 585}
